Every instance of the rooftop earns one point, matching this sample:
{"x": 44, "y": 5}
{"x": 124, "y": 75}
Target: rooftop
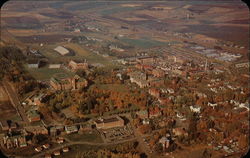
{"x": 61, "y": 50}
{"x": 108, "y": 120}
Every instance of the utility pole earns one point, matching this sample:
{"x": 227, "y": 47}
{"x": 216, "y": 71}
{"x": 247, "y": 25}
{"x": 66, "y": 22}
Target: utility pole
{"x": 206, "y": 65}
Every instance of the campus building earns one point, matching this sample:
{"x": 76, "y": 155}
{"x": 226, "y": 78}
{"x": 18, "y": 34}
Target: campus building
{"x": 73, "y": 83}
{"x": 109, "y": 122}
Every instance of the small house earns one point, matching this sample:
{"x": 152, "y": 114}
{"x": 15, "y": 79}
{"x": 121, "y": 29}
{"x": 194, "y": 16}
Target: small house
{"x": 33, "y": 116}
{"x": 71, "y": 129}
{"x": 4, "y": 125}
{"x": 65, "y": 149}
{"x": 34, "y": 63}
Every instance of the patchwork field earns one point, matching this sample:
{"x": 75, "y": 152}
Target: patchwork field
{"x": 7, "y": 111}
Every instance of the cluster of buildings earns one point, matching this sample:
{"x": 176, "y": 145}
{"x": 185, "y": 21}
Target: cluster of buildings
{"x": 71, "y": 83}
{"x": 78, "y": 65}
{"x": 219, "y": 55}
{"x": 17, "y": 141}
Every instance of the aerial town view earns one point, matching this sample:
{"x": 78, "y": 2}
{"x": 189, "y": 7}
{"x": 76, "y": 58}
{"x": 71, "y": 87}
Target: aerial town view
{"x": 124, "y": 79}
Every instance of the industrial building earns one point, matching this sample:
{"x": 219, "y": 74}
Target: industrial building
{"x": 109, "y": 122}
{"x": 61, "y": 50}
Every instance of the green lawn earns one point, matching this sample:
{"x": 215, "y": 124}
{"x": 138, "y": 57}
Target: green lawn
{"x": 46, "y": 73}
{"x": 80, "y": 53}
{"x": 77, "y": 150}
{"x": 87, "y": 137}
{"x": 117, "y": 9}
{"x": 143, "y": 43}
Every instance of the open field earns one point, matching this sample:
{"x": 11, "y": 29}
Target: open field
{"x": 86, "y": 137}
{"x": 3, "y": 94}
{"x": 7, "y": 111}
{"x": 43, "y": 38}
{"x": 143, "y": 43}
{"x": 45, "y": 73}
{"x": 91, "y": 57}
{"x": 77, "y": 150}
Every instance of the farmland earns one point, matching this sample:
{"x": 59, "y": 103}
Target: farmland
{"x": 6, "y": 108}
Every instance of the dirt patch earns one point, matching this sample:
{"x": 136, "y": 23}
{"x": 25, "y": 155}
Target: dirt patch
{"x": 3, "y": 95}
{"x": 235, "y": 34}
{"x": 7, "y": 111}
{"x": 43, "y": 38}
{"x": 23, "y": 22}
{"x": 59, "y": 14}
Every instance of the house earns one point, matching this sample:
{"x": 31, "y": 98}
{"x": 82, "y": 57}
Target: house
{"x": 36, "y": 99}
{"x": 54, "y": 66}
{"x": 109, "y": 122}
{"x": 240, "y": 65}
{"x": 4, "y": 125}
{"x": 78, "y": 65}
{"x": 38, "y": 149}
{"x": 71, "y": 129}
{"x": 146, "y": 60}
{"x": 72, "y": 83}
{"x": 164, "y": 101}
{"x": 36, "y": 130}
{"x": 144, "y": 67}
{"x": 39, "y": 98}
{"x": 195, "y": 109}
{"x": 154, "y": 92}
{"x": 62, "y": 51}
{"x": 47, "y": 156}
{"x": 34, "y": 63}
{"x": 57, "y": 153}
{"x": 22, "y": 141}
{"x": 244, "y": 105}
{"x": 175, "y": 59}
{"x": 60, "y": 140}
{"x": 46, "y": 146}
{"x": 33, "y": 116}
{"x": 165, "y": 142}
{"x": 53, "y": 131}
{"x": 139, "y": 78}
{"x": 146, "y": 121}
{"x": 212, "y": 105}
{"x": 154, "y": 112}
{"x": 65, "y": 149}
{"x": 142, "y": 114}
{"x": 17, "y": 141}
{"x": 158, "y": 73}
{"x": 179, "y": 131}
{"x": 13, "y": 125}
{"x": 114, "y": 47}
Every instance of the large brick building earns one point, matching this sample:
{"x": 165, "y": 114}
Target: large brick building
{"x": 146, "y": 60}
{"x": 78, "y": 65}
{"x": 73, "y": 83}
{"x": 109, "y": 122}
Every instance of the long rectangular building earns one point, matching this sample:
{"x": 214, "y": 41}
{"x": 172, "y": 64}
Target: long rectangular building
{"x": 109, "y": 122}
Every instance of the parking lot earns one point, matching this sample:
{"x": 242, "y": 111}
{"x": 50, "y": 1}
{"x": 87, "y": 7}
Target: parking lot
{"x": 119, "y": 133}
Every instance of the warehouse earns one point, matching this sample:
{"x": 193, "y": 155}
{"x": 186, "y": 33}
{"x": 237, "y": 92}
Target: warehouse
{"x": 62, "y": 51}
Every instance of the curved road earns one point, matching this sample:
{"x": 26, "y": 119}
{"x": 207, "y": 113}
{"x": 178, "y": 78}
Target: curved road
{"x": 70, "y": 143}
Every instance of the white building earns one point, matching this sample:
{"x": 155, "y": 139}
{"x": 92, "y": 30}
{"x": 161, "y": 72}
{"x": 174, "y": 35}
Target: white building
{"x": 195, "y": 109}
{"x": 61, "y": 50}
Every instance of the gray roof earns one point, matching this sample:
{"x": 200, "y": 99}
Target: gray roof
{"x": 61, "y": 50}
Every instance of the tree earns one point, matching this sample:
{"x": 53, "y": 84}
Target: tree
{"x": 145, "y": 129}
{"x": 192, "y": 128}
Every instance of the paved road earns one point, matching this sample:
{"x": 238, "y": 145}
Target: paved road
{"x": 15, "y": 101}
{"x": 70, "y": 143}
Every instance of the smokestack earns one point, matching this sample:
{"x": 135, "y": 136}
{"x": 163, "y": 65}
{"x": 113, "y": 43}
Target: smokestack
{"x": 206, "y": 65}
